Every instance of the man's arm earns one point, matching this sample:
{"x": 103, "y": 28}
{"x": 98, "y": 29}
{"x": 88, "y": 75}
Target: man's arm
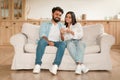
{"x": 45, "y": 38}
{"x": 43, "y": 34}
{"x": 62, "y": 31}
{"x": 42, "y": 30}
{"x": 62, "y": 37}
{"x": 50, "y": 43}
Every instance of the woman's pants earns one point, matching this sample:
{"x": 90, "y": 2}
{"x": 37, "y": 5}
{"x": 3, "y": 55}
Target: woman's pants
{"x": 76, "y": 49}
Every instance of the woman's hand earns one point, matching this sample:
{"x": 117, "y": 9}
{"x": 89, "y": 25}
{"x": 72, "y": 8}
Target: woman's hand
{"x": 62, "y": 30}
{"x": 69, "y": 31}
{"x": 72, "y": 32}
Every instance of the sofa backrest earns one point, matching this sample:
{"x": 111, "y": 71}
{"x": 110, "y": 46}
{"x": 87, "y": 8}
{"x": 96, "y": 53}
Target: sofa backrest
{"x": 91, "y": 32}
{"x": 31, "y": 31}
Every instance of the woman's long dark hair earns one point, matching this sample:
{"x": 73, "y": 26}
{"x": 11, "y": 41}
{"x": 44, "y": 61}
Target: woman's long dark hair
{"x": 72, "y": 16}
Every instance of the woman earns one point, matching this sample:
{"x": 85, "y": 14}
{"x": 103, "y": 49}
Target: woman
{"x": 72, "y": 35}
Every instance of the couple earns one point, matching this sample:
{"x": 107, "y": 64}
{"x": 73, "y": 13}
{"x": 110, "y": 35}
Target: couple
{"x": 54, "y": 33}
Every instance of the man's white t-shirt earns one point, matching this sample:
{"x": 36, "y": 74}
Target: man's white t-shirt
{"x": 54, "y": 34}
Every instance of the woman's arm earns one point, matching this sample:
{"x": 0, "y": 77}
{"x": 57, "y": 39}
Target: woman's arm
{"x": 78, "y": 32}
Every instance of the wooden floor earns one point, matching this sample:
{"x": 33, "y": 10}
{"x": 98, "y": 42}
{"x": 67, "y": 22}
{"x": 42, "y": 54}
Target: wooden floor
{"x": 6, "y": 55}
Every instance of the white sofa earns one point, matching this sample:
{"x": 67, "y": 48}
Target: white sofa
{"x": 97, "y": 55}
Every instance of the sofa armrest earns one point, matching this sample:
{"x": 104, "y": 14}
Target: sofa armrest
{"x": 105, "y": 41}
{"x": 18, "y": 41}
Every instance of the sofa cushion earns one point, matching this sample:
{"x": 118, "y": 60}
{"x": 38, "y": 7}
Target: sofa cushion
{"x": 92, "y": 49}
{"x": 91, "y": 32}
{"x": 31, "y": 48}
{"x": 31, "y": 31}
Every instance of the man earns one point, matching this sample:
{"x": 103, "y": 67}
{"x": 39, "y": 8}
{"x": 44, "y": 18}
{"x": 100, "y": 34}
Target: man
{"x": 50, "y": 35}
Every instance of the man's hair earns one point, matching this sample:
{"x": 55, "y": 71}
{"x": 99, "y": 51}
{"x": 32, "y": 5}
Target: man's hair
{"x": 57, "y": 9}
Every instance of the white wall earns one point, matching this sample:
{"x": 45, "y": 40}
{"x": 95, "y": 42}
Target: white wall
{"x": 95, "y": 9}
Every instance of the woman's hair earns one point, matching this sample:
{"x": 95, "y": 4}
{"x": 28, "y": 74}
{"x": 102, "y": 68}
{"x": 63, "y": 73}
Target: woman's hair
{"x": 72, "y": 16}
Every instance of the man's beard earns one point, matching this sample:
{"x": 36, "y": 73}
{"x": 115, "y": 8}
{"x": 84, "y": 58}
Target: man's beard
{"x": 56, "y": 19}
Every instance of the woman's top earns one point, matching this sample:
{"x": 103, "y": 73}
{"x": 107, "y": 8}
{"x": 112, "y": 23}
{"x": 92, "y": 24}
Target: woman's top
{"x": 78, "y": 32}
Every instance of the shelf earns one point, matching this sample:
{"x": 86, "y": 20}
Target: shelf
{"x": 12, "y": 10}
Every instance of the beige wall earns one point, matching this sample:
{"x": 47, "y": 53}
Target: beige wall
{"x": 95, "y": 9}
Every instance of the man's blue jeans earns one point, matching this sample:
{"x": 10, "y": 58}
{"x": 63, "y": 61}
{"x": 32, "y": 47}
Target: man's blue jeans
{"x": 41, "y": 49}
